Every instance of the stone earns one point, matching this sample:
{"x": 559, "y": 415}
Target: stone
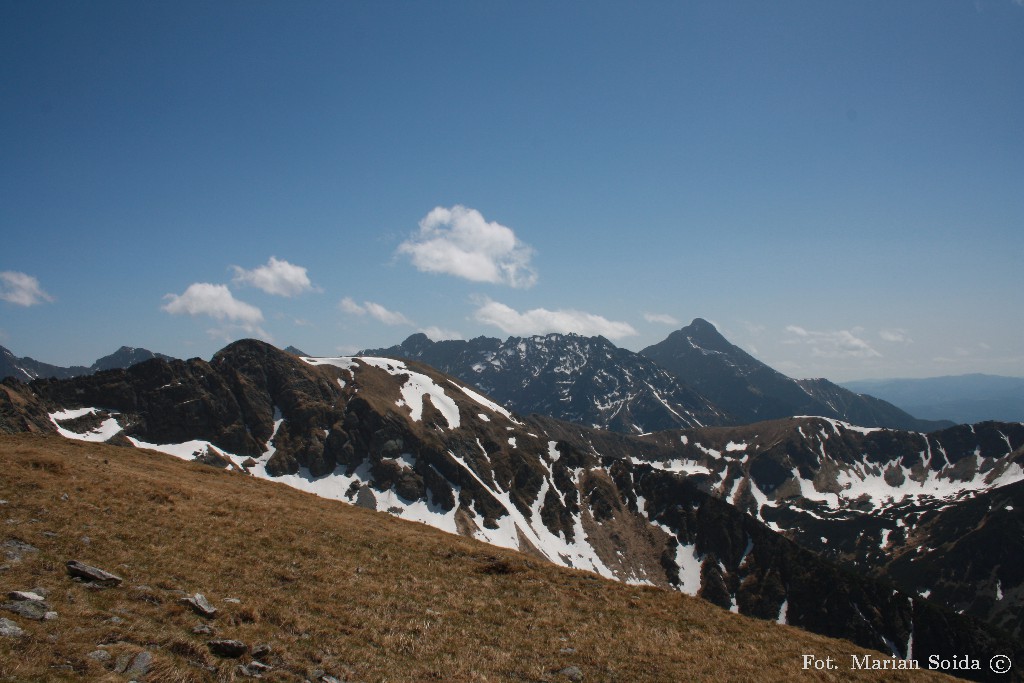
{"x": 573, "y": 673}
{"x": 92, "y": 574}
{"x": 200, "y": 605}
{"x": 140, "y": 664}
{"x": 29, "y": 609}
{"x": 261, "y": 651}
{"x": 202, "y": 630}
{"x": 101, "y": 656}
{"x": 252, "y": 670}
{"x": 234, "y": 601}
{"x": 227, "y": 648}
{"x": 8, "y": 629}
{"x": 23, "y": 596}
{"x": 15, "y": 550}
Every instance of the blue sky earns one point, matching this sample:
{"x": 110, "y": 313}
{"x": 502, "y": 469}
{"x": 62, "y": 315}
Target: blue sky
{"x": 836, "y": 185}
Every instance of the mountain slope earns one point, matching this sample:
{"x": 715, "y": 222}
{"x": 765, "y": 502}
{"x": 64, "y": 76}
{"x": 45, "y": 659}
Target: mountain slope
{"x": 399, "y": 437}
{"x": 751, "y": 391}
{"x": 961, "y": 398}
{"x": 894, "y": 504}
{"x": 334, "y": 590}
{"x": 586, "y": 380}
{"x": 26, "y": 369}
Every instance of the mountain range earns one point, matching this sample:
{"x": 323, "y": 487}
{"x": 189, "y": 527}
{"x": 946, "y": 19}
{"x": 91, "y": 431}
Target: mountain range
{"x": 898, "y": 541}
{"x": 695, "y": 377}
{"x": 961, "y": 398}
{"x": 28, "y": 368}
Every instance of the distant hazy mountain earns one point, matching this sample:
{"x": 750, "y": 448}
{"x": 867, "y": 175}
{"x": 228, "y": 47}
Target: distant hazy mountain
{"x": 751, "y": 391}
{"x": 961, "y": 398}
{"x": 26, "y": 368}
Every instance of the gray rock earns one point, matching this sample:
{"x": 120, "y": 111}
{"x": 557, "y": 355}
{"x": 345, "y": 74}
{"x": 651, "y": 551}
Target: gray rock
{"x": 252, "y": 670}
{"x": 15, "y": 550}
{"x": 234, "y": 601}
{"x": 200, "y": 605}
{"x": 123, "y": 660}
{"x": 573, "y": 673}
{"x": 203, "y": 630}
{"x": 261, "y": 651}
{"x": 227, "y": 648}
{"x": 8, "y": 629}
{"x": 25, "y": 596}
{"x": 92, "y": 574}
{"x": 101, "y": 656}
{"x": 140, "y": 664}
{"x": 30, "y": 609}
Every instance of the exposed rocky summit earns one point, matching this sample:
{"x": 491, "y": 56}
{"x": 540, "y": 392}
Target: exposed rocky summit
{"x": 751, "y": 391}
{"x": 586, "y": 380}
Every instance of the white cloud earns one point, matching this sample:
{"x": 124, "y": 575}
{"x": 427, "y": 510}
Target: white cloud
{"x": 662, "y": 318}
{"x": 21, "y": 289}
{"x": 459, "y": 241}
{"x": 543, "y": 321}
{"x": 216, "y": 301}
{"x": 374, "y": 310}
{"x": 350, "y": 306}
{"x": 832, "y": 344}
{"x": 277, "y": 277}
{"x": 896, "y": 336}
{"x": 438, "y": 334}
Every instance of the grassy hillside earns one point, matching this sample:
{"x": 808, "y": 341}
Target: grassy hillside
{"x": 334, "y": 590}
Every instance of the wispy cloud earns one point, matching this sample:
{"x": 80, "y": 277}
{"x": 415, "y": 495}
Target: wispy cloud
{"x": 896, "y": 336}
{"x": 276, "y": 277}
{"x": 832, "y": 344}
{"x": 662, "y": 318}
{"x": 21, "y": 289}
{"x": 544, "y": 321}
{"x": 216, "y": 301}
{"x": 439, "y": 334}
{"x": 460, "y": 242}
{"x": 375, "y": 311}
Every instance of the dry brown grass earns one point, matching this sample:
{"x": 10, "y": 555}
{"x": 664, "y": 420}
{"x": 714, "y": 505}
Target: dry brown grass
{"x": 333, "y": 588}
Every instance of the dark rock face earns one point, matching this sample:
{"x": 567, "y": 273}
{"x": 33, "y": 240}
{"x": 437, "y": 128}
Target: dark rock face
{"x": 586, "y": 380}
{"x": 750, "y": 391}
{"x": 22, "y": 410}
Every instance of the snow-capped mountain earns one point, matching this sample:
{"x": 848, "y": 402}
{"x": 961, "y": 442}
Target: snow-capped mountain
{"x": 26, "y": 368}
{"x": 751, "y": 391}
{"x": 669, "y": 509}
{"x": 586, "y": 380}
